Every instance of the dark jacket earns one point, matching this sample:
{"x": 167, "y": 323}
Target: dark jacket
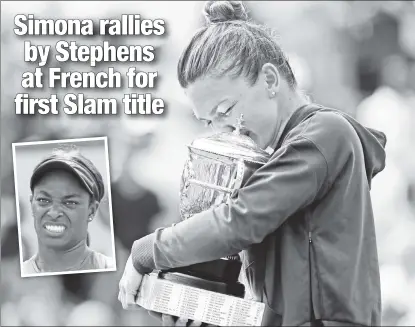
{"x": 304, "y": 221}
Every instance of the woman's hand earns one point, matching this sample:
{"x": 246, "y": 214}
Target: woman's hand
{"x": 129, "y": 285}
{"x": 169, "y": 320}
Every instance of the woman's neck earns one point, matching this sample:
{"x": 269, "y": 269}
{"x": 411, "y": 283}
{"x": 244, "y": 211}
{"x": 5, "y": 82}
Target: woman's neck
{"x": 49, "y": 259}
{"x": 288, "y": 105}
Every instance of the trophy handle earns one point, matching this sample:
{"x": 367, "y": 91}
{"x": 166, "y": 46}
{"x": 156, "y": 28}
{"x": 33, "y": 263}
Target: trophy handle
{"x": 239, "y": 176}
{"x": 184, "y": 183}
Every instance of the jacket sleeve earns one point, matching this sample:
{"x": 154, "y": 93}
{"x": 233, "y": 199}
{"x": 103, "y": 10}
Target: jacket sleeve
{"x": 288, "y": 182}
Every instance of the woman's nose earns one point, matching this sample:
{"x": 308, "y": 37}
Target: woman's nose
{"x": 54, "y": 212}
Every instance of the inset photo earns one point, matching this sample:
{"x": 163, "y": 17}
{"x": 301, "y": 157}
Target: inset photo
{"x": 63, "y": 205}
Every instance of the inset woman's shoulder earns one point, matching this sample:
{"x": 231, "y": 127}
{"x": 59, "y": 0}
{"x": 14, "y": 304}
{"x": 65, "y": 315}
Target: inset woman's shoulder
{"x": 30, "y": 267}
{"x": 103, "y": 261}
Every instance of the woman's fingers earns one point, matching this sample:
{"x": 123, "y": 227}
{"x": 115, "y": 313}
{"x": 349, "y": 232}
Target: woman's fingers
{"x": 168, "y": 320}
{"x": 155, "y": 314}
{"x": 181, "y": 322}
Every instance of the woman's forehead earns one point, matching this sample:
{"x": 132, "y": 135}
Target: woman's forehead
{"x": 218, "y": 85}
{"x": 60, "y": 180}
{"x": 208, "y": 92}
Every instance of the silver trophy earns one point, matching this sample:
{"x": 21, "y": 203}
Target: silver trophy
{"x": 216, "y": 167}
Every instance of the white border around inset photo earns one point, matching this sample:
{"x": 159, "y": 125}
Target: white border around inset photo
{"x": 107, "y": 183}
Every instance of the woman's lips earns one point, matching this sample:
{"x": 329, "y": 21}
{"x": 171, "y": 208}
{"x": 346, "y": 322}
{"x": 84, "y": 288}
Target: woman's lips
{"x": 54, "y": 228}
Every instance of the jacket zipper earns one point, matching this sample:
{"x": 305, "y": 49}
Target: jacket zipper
{"x": 312, "y": 316}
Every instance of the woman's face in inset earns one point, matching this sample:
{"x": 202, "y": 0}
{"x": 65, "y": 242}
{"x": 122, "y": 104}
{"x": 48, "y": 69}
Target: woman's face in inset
{"x": 60, "y": 207}
{"x": 220, "y": 101}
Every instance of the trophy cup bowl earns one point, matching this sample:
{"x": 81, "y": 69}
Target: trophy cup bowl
{"x": 216, "y": 167}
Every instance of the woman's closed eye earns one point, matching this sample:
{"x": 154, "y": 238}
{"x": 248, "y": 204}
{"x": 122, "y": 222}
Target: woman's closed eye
{"x": 207, "y": 123}
{"x": 225, "y": 112}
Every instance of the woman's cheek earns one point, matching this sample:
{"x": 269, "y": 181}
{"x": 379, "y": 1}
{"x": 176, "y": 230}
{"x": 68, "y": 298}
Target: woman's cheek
{"x": 77, "y": 214}
{"x": 37, "y": 211}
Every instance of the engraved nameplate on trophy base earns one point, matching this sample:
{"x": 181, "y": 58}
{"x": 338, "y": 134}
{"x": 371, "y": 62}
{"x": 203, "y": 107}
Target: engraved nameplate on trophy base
{"x": 193, "y": 303}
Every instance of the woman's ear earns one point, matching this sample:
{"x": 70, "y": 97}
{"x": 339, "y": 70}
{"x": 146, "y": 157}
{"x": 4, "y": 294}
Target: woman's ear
{"x": 271, "y": 78}
{"x": 93, "y": 207}
{"x": 31, "y": 198}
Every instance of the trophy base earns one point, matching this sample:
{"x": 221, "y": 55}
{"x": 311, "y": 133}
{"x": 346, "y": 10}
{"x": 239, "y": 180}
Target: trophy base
{"x": 219, "y": 276}
{"x": 176, "y": 299}
{"x": 235, "y": 289}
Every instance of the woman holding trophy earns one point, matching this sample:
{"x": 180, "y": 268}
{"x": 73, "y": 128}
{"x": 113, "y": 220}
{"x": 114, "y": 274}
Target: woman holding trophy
{"x": 303, "y": 221}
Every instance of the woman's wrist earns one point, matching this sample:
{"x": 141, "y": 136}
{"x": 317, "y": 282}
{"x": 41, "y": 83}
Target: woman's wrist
{"x": 142, "y": 254}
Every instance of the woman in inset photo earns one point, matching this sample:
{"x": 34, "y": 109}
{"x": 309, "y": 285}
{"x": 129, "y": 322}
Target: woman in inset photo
{"x": 66, "y": 192}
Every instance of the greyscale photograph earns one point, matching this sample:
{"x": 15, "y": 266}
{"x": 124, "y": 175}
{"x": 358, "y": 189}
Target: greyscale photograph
{"x": 263, "y": 173}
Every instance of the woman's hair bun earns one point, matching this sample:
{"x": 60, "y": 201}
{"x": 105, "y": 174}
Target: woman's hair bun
{"x": 222, "y": 11}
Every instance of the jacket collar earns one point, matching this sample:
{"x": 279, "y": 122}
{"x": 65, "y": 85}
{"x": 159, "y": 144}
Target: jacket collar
{"x": 295, "y": 118}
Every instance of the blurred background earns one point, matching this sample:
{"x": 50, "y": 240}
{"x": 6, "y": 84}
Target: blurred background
{"x": 356, "y": 56}
{"x": 26, "y": 157}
